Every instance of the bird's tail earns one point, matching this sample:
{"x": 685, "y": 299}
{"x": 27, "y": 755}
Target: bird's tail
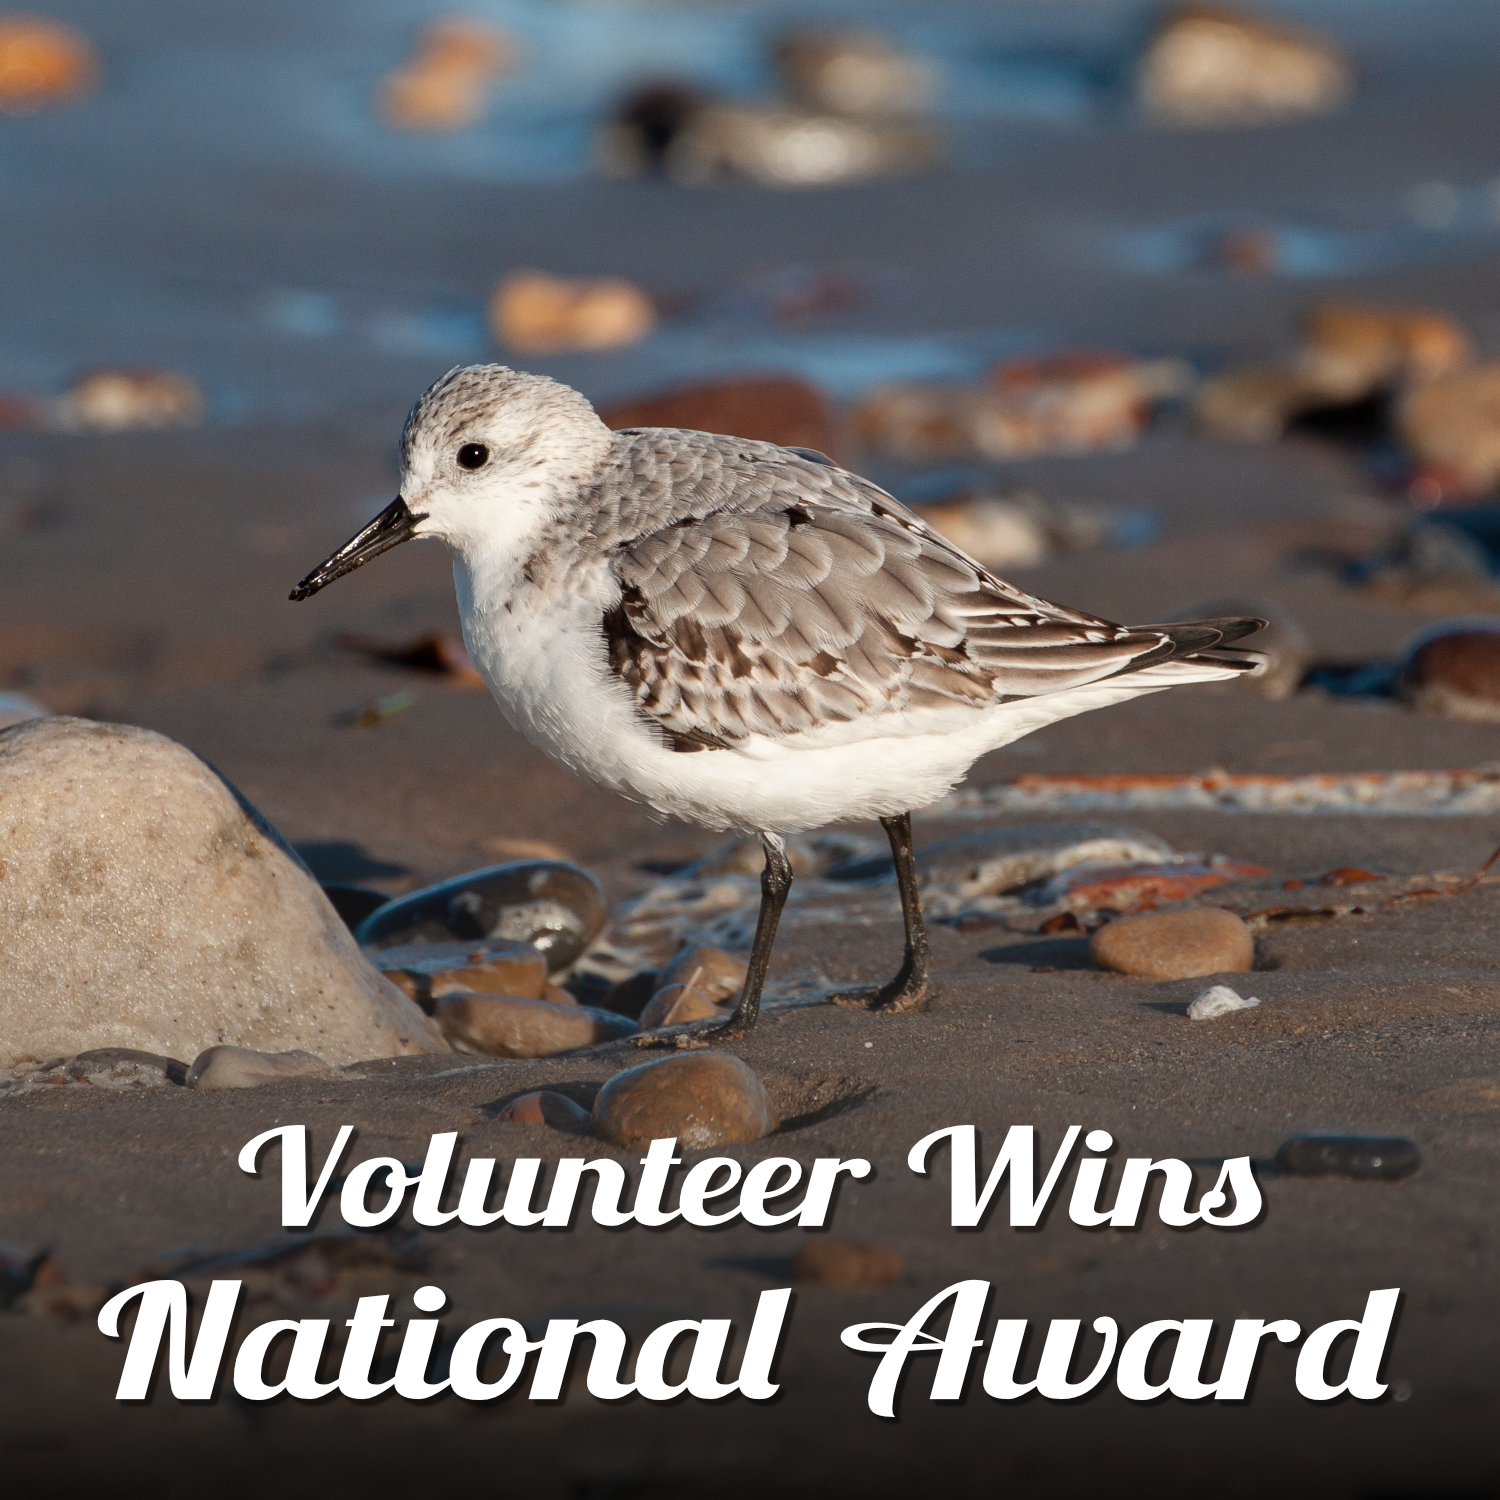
{"x": 1204, "y": 642}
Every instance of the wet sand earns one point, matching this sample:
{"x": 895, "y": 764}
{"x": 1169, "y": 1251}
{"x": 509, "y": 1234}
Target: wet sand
{"x": 145, "y": 581}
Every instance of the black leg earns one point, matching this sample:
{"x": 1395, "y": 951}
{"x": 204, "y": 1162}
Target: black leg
{"x": 775, "y": 882}
{"x": 908, "y": 990}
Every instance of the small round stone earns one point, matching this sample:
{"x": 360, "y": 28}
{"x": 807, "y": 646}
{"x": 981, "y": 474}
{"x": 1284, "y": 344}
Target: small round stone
{"x": 244, "y": 1068}
{"x": 715, "y": 974}
{"x": 1175, "y": 944}
{"x": 545, "y": 1107}
{"x": 846, "y": 1263}
{"x": 677, "y": 1004}
{"x": 508, "y": 1026}
{"x": 707, "y": 1099}
{"x": 1362, "y": 1157}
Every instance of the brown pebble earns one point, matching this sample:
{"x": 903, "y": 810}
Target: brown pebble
{"x": 245, "y": 1068}
{"x": 1457, "y": 675}
{"x": 1175, "y": 944}
{"x": 708, "y": 1099}
{"x": 509, "y": 1026}
{"x": 676, "y": 1005}
{"x": 710, "y": 971}
{"x": 545, "y": 1107}
{"x": 558, "y": 995}
{"x": 846, "y": 1263}
{"x": 428, "y": 971}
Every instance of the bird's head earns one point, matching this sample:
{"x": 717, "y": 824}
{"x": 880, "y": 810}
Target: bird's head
{"x": 486, "y": 453}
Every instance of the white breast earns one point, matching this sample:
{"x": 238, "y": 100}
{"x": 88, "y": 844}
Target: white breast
{"x": 546, "y": 663}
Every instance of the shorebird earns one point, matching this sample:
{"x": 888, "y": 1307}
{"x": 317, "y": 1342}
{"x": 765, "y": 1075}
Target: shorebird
{"x": 741, "y": 635}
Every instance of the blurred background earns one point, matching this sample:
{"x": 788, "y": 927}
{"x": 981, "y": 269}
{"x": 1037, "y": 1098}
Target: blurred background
{"x": 1152, "y": 308}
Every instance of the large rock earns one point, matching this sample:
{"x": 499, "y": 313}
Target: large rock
{"x": 144, "y": 904}
{"x": 1175, "y": 944}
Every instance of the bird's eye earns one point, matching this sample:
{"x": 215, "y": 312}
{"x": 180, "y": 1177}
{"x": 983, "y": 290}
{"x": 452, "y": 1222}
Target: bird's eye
{"x": 473, "y": 456}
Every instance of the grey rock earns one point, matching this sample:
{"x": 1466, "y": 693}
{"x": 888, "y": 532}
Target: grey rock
{"x": 121, "y": 1067}
{"x": 245, "y": 1068}
{"x": 145, "y": 905}
{"x": 553, "y": 905}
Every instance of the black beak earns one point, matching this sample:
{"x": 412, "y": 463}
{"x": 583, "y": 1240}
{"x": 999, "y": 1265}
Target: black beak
{"x": 394, "y": 525}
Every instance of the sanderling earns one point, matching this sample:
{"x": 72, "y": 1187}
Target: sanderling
{"x": 744, "y": 636}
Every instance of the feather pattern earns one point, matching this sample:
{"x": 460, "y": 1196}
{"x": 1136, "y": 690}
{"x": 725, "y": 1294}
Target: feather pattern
{"x": 763, "y": 591}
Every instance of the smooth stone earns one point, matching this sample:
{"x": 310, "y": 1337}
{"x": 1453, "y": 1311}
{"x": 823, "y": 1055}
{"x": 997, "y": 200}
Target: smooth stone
{"x": 145, "y": 904}
{"x": 43, "y": 63}
{"x": 1219, "y": 1000}
{"x": 245, "y": 1068}
{"x": 676, "y": 1005}
{"x": 508, "y": 1026}
{"x": 1455, "y": 672}
{"x": 116, "y": 1066}
{"x": 1210, "y": 66}
{"x": 445, "y": 85}
{"x": 545, "y": 1107}
{"x": 828, "y": 1261}
{"x": 353, "y": 903}
{"x": 718, "y": 975}
{"x": 856, "y": 73}
{"x": 1454, "y": 423}
{"x": 771, "y": 409}
{"x": 551, "y": 904}
{"x": 1362, "y": 1157}
{"x": 1175, "y": 944}
{"x": 702, "y": 1100}
{"x": 129, "y": 400}
{"x": 497, "y": 966}
{"x": 532, "y": 312}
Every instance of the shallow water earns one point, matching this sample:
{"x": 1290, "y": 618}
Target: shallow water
{"x": 228, "y": 204}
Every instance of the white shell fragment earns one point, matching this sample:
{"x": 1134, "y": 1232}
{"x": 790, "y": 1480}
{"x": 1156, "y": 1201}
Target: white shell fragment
{"x": 1216, "y": 1001}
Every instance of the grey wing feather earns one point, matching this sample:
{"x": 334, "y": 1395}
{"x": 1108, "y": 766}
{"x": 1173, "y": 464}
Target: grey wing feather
{"x": 777, "y": 593}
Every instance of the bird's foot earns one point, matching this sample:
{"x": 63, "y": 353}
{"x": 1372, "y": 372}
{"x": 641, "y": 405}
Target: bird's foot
{"x": 694, "y": 1038}
{"x": 903, "y": 993}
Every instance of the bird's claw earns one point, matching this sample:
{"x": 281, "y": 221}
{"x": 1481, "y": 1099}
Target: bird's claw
{"x": 885, "y": 999}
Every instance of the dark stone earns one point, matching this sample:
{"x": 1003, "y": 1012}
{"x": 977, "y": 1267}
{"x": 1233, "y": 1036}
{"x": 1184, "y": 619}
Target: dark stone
{"x": 353, "y": 903}
{"x": 555, "y": 906}
{"x": 1362, "y": 1157}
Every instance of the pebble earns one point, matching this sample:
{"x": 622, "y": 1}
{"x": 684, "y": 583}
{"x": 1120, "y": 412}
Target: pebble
{"x": 150, "y": 907}
{"x": 1218, "y": 1000}
{"x": 1350, "y": 351}
{"x": 508, "y": 1026}
{"x": 1455, "y": 672}
{"x": 128, "y": 400}
{"x": 534, "y": 313}
{"x": 1000, "y": 533}
{"x": 43, "y": 63}
{"x": 854, "y": 73}
{"x": 783, "y": 147}
{"x": 1362, "y": 1157}
{"x": 1209, "y": 66}
{"x": 498, "y": 966}
{"x": 1255, "y": 404}
{"x": 551, "y": 904}
{"x": 445, "y": 86}
{"x": 1174, "y": 945}
{"x": 701, "y": 1100}
{"x": 113, "y": 1067}
{"x": 545, "y": 1108}
{"x": 772, "y": 409}
{"x": 718, "y": 975}
{"x": 1454, "y": 423}
{"x": 1075, "y": 401}
{"x": 676, "y": 1005}
{"x": 245, "y": 1068}
{"x": 846, "y": 1263}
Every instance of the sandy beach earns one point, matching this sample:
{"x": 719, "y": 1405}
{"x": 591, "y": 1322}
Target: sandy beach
{"x": 145, "y": 582}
